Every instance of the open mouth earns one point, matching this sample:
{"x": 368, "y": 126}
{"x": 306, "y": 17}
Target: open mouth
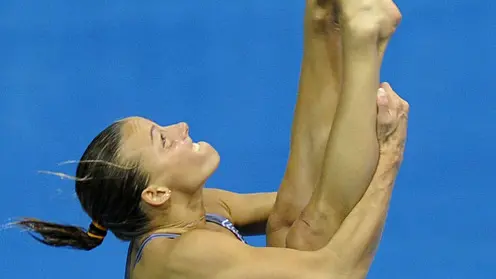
{"x": 196, "y": 147}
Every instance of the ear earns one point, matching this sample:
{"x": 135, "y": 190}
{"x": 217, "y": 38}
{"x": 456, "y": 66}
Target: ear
{"x": 156, "y": 195}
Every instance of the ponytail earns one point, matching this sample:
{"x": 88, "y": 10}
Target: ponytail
{"x": 109, "y": 190}
{"x": 63, "y": 235}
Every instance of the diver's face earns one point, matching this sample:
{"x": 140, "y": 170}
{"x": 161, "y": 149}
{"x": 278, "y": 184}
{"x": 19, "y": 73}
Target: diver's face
{"x": 168, "y": 154}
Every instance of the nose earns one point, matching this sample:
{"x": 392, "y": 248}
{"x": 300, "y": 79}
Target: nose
{"x": 184, "y": 126}
{"x": 177, "y": 132}
{"x": 183, "y": 129}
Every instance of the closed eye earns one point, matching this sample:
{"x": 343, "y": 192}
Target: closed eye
{"x": 163, "y": 139}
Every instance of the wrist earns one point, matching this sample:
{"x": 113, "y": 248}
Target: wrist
{"x": 388, "y": 165}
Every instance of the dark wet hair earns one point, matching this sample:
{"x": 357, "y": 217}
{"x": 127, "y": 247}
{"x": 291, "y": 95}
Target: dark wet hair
{"x": 109, "y": 193}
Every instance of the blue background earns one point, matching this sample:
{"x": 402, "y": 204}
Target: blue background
{"x": 230, "y": 69}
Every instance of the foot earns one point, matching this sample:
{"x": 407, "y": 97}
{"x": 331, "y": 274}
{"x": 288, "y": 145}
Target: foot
{"x": 377, "y": 18}
{"x": 324, "y": 14}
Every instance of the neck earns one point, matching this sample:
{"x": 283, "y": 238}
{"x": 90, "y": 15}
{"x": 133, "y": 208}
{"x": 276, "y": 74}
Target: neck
{"x": 185, "y": 212}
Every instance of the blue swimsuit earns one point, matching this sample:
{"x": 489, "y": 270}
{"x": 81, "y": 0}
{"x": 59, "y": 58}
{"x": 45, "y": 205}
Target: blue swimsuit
{"x": 212, "y": 218}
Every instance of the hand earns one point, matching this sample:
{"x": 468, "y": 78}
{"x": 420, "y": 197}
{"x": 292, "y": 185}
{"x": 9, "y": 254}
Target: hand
{"x": 392, "y": 118}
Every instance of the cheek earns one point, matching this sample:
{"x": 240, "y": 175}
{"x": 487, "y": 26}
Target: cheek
{"x": 151, "y": 161}
{"x": 184, "y": 168}
{"x": 183, "y": 160}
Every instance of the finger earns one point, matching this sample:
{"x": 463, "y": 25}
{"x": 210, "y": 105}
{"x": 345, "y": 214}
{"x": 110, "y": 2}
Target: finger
{"x": 382, "y": 98}
{"x": 405, "y": 105}
{"x": 388, "y": 88}
{"x": 383, "y": 107}
{"x": 399, "y": 104}
{"x": 401, "y": 131}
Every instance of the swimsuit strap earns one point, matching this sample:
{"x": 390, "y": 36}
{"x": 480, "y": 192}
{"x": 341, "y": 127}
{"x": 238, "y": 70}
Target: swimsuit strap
{"x": 212, "y": 218}
{"x": 139, "y": 254}
{"x": 147, "y": 240}
{"x": 226, "y": 223}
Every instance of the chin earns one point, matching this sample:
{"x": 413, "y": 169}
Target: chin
{"x": 212, "y": 156}
{"x": 207, "y": 160}
{"x": 211, "y": 164}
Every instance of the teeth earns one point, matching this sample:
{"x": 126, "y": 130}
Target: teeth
{"x": 196, "y": 147}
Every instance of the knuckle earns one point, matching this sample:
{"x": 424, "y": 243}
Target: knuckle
{"x": 397, "y": 17}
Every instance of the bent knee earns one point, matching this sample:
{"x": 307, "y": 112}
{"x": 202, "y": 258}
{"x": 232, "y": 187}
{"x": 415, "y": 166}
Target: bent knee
{"x": 312, "y": 231}
{"x": 297, "y": 235}
{"x": 278, "y": 222}
{"x": 284, "y": 213}
{"x": 305, "y": 237}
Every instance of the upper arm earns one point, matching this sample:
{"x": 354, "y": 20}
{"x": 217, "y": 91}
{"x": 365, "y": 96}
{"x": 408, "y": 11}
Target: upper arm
{"x": 248, "y": 212}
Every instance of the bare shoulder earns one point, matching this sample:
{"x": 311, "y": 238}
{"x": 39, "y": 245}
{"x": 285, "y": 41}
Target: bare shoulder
{"x": 210, "y": 255}
{"x": 196, "y": 254}
{"x": 215, "y": 201}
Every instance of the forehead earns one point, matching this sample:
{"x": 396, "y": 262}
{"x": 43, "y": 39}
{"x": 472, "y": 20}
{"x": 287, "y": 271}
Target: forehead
{"x": 135, "y": 136}
{"x": 135, "y": 125}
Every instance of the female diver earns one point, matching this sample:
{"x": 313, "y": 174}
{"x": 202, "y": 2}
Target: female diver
{"x": 145, "y": 182}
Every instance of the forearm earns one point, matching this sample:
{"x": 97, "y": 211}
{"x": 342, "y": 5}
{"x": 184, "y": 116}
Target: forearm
{"x": 383, "y": 181}
{"x": 362, "y": 229}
